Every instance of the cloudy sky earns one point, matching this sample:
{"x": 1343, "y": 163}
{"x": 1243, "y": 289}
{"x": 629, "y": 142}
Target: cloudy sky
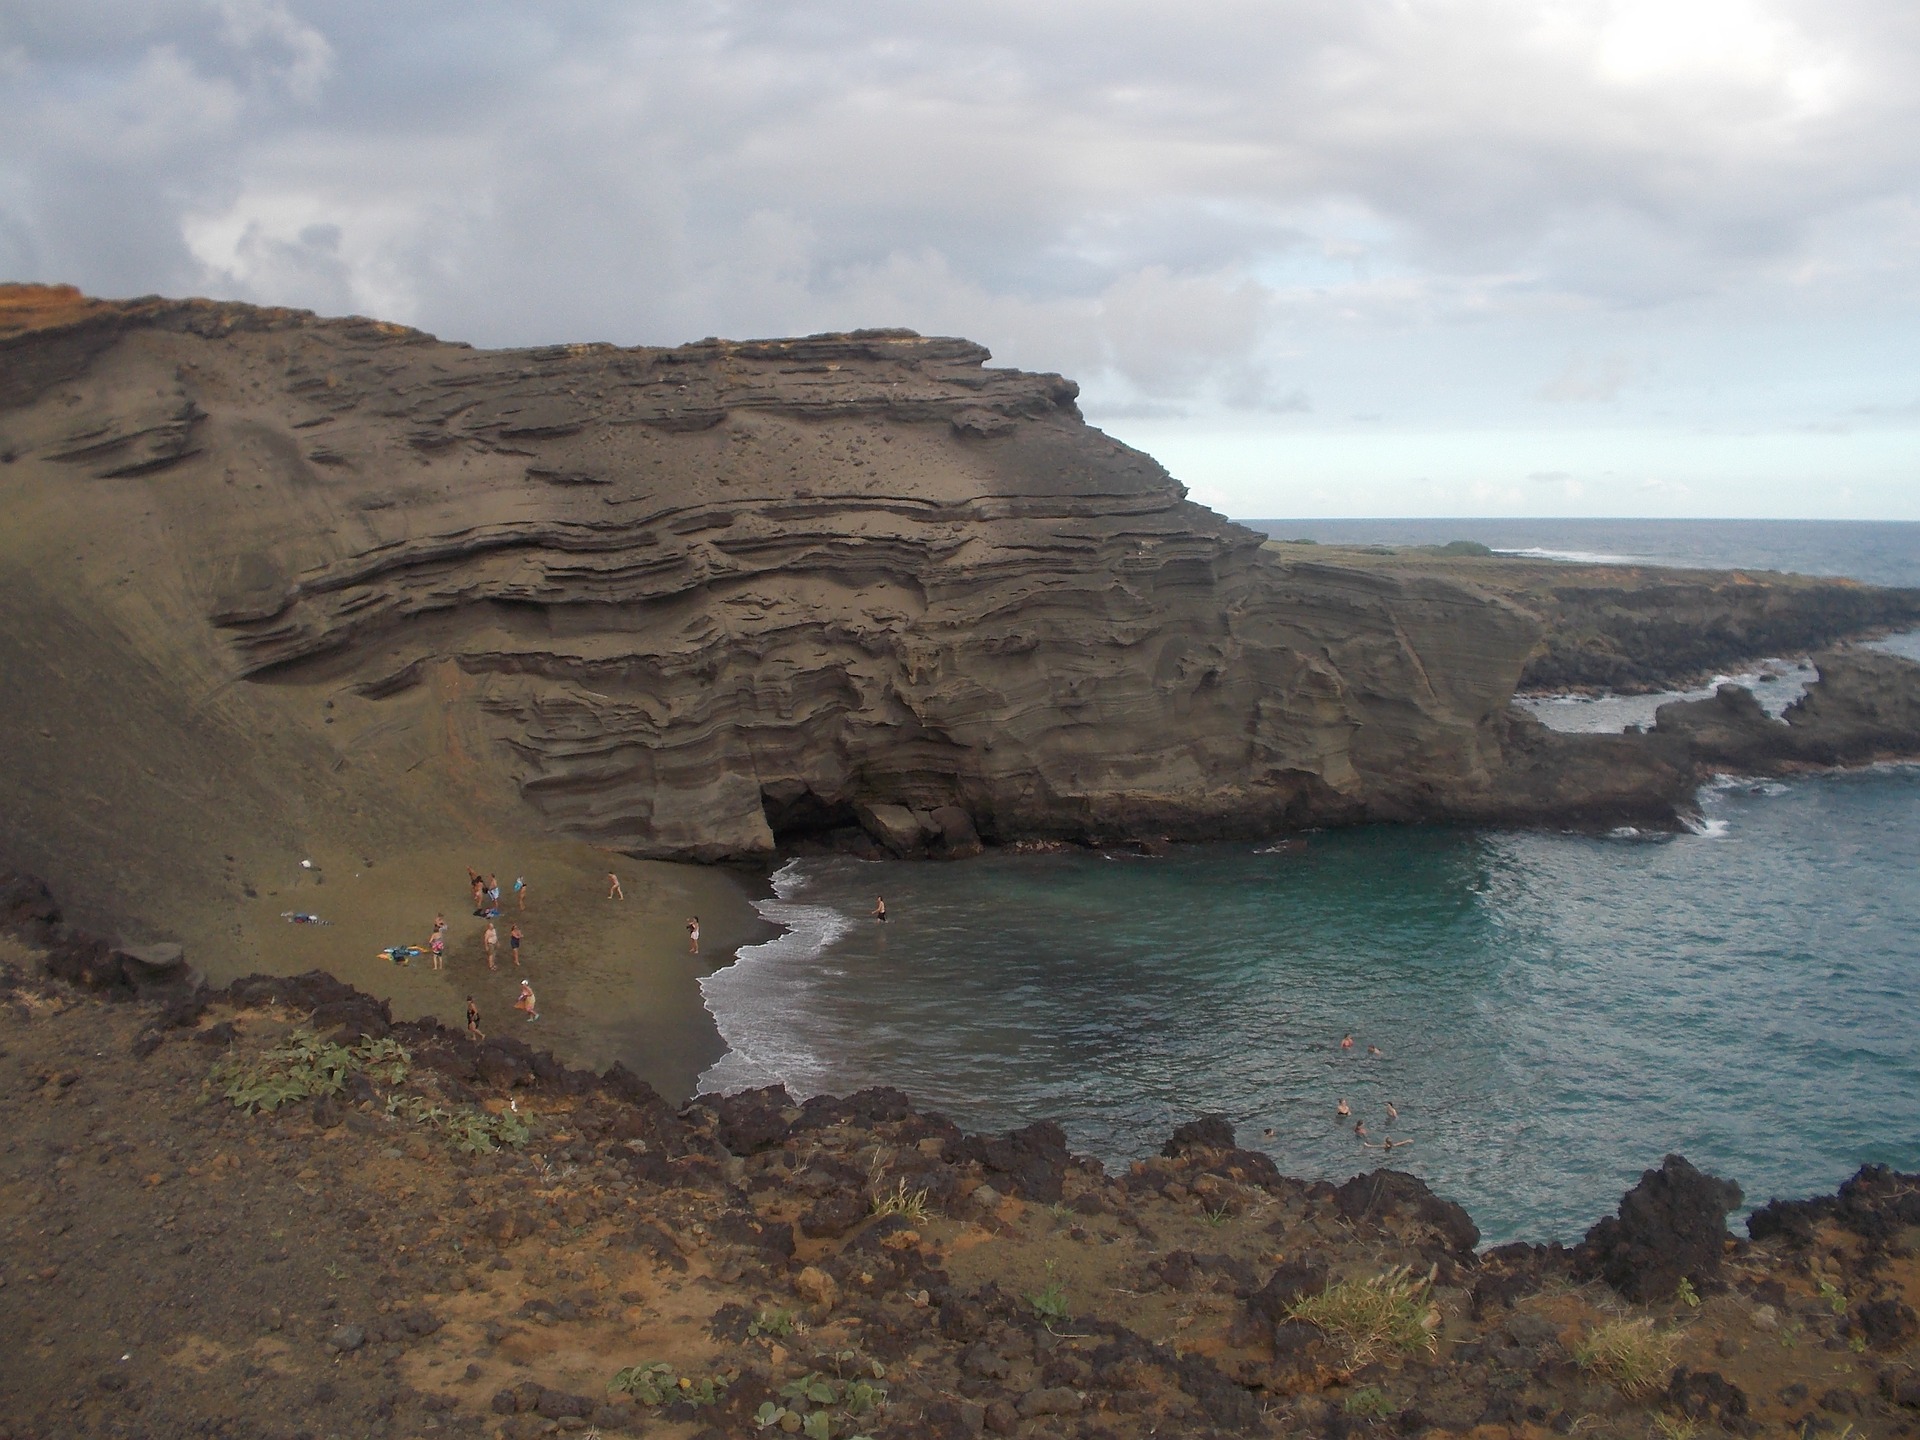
{"x": 1322, "y": 257}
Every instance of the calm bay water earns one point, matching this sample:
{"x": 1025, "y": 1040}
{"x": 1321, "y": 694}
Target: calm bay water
{"x": 1554, "y": 1012}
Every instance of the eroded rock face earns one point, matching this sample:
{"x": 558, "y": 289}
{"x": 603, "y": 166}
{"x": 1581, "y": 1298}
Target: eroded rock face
{"x": 691, "y": 602}
{"x": 1866, "y": 704}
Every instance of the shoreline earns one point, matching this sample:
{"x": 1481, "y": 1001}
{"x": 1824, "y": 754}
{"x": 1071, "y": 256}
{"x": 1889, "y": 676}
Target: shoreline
{"x": 337, "y": 1262}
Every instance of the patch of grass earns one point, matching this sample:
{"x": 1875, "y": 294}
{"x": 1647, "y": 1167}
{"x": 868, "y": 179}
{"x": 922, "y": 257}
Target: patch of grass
{"x": 1369, "y": 1402}
{"x": 1675, "y": 1427}
{"x": 304, "y": 1067}
{"x": 1633, "y": 1356}
{"x": 1217, "y": 1218}
{"x": 1050, "y": 1302}
{"x": 1377, "y": 1314}
{"x": 911, "y": 1204}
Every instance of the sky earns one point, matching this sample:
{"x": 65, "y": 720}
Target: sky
{"x": 1320, "y": 257}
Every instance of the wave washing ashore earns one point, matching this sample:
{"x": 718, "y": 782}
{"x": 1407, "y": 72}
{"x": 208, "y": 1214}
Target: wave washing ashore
{"x": 1550, "y": 1009}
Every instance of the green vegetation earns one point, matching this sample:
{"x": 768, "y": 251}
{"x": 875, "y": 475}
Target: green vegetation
{"x": 912, "y": 1204}
{"x": 812, "y": 1400}
{"x": 1386, "y": 1312}
{"x": 1686, "y": 1294}
{"x": 1050, "y": 1302}
{"x": 1369, "y": 1402}
{"x": 1675, "y": 1427}
{"x": 305, "y": 1067}
{"x": 659, "y": 1384}
{"x": 774, "y": 1323}
{"x": 1835, "y": 1297}
{"x": 302, "y": 1067}
{"x": 1630, "y": 1354}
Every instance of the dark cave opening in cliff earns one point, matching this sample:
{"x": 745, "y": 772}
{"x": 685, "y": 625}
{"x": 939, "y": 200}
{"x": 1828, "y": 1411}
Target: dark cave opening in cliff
{"x": 793, "y": 810}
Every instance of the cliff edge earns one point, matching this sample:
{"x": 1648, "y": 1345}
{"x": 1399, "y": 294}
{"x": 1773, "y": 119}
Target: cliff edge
{"x": 267, "y": 571}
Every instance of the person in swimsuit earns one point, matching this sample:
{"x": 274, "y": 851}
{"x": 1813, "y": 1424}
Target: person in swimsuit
{"x": 526, "y": 1001}
{"x": 1347, "y": 1043}
{"x": 880, "y": 908}
{"x": 693, "y": 934}
{"x": 473, "y": 1020}
{"x": 1342, "y": 1110}
{"x": 513, "y": 944}
{"x": 614, "y": 892}
{"x": 490, "y": 938}
{"x": 1360, "y": 1128}
{"x": 493, "y": 891}
{"x": 520, "y": 891}
{"x": 438, "y": 945}
{"x": 1392, "y": 1113}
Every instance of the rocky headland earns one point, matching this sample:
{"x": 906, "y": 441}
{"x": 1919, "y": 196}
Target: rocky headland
{"x": 274, "y": 1211}
{"x": 267, "y": 574}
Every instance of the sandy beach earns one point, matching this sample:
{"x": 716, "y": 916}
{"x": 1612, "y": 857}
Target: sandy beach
{"x": 614, "y": 978}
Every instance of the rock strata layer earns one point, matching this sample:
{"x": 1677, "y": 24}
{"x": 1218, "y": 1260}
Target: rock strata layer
{"x": 697, "y": 603}
{"x": 692, "y": 602}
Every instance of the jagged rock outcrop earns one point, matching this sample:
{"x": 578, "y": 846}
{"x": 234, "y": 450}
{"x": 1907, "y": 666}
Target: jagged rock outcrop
{"x": 1864, "y": 706}
{"x": 687, "y": 602}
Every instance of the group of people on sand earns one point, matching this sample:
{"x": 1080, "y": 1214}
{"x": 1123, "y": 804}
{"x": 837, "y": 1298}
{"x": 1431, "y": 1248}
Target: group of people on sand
{"x": 486, "y": 906}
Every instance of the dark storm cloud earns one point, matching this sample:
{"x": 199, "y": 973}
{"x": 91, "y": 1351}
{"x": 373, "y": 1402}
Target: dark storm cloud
{"x": 1202, "y": 204}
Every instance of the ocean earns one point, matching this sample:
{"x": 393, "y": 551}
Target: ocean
{"x": 1552, "y": 1013}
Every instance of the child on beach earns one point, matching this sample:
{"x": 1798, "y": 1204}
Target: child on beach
{"x": 438, "y": 945}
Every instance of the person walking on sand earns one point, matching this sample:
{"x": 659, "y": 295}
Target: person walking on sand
{"x": 513, "y": 944}
{"x": 526, "y": 1001}
{"x": 473, "y": 1020}
{"x": 614, "y": 892}
{"x": 490, "y": 938}
{"x": 880, "y": 908}
{"x": 693, "y": 934}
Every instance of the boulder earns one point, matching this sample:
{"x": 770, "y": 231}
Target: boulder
{"x": 1672, "y": 1226}
{"x": 894, "y": 826}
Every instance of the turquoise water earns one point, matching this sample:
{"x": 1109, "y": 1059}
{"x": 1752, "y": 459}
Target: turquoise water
{"x": 1555, "y": 1012}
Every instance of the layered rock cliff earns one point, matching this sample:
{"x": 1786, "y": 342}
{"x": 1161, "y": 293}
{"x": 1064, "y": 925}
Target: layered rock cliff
{"x": 688, "y": 602}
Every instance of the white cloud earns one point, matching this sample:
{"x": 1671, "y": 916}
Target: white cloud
{"x": 1320, "y": 208}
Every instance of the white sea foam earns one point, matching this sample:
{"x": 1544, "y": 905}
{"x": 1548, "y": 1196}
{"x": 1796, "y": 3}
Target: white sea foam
{"x": 1706, "y": 829}
{"x": 756, "y": 1001}
{"x": 1580, "y": 557}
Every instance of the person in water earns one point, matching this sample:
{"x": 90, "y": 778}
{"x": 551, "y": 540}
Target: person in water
{"x": 1360, "y": 1128}
{"x": 880, "y": 908}
{"x": 693, "y": 934}
{"x": 1392, "y": 1113}
{"x": 473, "y": 1020}
{"x": 1342, "y": 1109}
{"x": 1347, "y": 1043}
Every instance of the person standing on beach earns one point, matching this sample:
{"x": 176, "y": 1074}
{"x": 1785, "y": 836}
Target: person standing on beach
{"x": 520, "y": 891}
{"x": 490, "y": 938}
{"x": 473, "y": 1020}
{"x": 513, "y": 944}
{"x": 438, "y": 945}
{"x": 614, "y": 892}
{"x": 693, "y": 934}
{"x": 526, "y": 1001}
{"x": 880, "y": 908}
